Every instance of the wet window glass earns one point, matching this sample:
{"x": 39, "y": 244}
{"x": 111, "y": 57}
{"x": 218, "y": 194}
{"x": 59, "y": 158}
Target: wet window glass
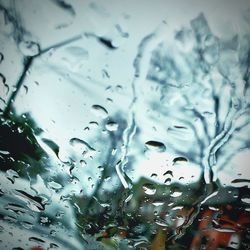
{"x": 124, "y": 124}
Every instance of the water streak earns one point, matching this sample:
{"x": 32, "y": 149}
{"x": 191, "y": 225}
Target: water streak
{"x": 141, "y": 66}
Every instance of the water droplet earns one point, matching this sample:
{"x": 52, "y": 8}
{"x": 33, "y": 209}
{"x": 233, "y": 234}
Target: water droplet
{"x": 213, "y": 208}
{"x": 5, "y": 88}
{"x": 102, "y": 204}
{"x": 240, "y": 181}
{"x": 179, "y": 160}
{"x": 168, "y": 172}
{"x": 3, "y": 79}
{"x": 153, "y": 175}
{"x": 25, "y": 88}
{"x": 37, "y": 240}
{"x": 161, "y": 223}
{"x": 53, "y": 245}
{"x": 33, "y": 202}
{"x": 149, "y": 189}
{"x": 177, "y": 208}
{"x": 82, "y": 146}
{"x": 225, "y": 230}
{"x": 120, "y": 30}
{"x": 15, "y": 208}
{"x": 176, "y": 194}
{"x": 234, "y": 244}
{"x": 27, "y": 224}
{"x": 93, "y": 124}
{"x": 52, "y": 145}
{"x": 246, "y": 200}
{"x": 54, "y": 186}
{"x": 118, "y": 88}
{"x": 167, "y": 181}
{"x": 114, "y": 150}
{"x": 20, "y": 130}
{"x": 11, "y": 175}
{"x": 4, "y": 152}
{"x": 1, "y": 57}
{"x": 109, "y": 88}
{"x": 53, "y": 232}
{"x": 60, "y": 214}
{"x": 107, "y": 42}
{"x": 29, "y": 48}
{"x": 105, "y": 74}
{"x": 155, "y": 146}
{"x": 109, "y": 100}
{"x": 107, "y": 178}
{"x": 100, "y": 111}
{"x": 158, "y": 203}
{"x": 111, "y": 126}
{"x": 180, "y": 127}
{"x": 83, "y": 163}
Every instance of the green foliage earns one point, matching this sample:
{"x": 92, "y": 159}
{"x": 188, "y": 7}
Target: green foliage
{"x": 19, "y": 147}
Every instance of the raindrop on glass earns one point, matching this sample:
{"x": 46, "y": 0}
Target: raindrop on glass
{"x": 155, "y": 146}
{"x": 29, "y": 48}
{"x": 1, "y": 57}
{"x": 149, "y": 189}
{"x": 99, "y": 111}
{"x": 111, "y": 126}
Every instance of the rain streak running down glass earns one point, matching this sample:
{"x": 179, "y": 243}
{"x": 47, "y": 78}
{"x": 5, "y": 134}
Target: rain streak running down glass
{"x": 124, "y": 124}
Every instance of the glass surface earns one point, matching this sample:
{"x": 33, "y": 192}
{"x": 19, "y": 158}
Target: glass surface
{"x": 124, "y": 124}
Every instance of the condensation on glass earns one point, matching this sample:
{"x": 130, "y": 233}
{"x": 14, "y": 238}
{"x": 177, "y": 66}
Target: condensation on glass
{"x": 124, "y": 124}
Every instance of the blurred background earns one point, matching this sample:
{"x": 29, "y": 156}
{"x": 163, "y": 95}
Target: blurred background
{"x": 124, "y": 125}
